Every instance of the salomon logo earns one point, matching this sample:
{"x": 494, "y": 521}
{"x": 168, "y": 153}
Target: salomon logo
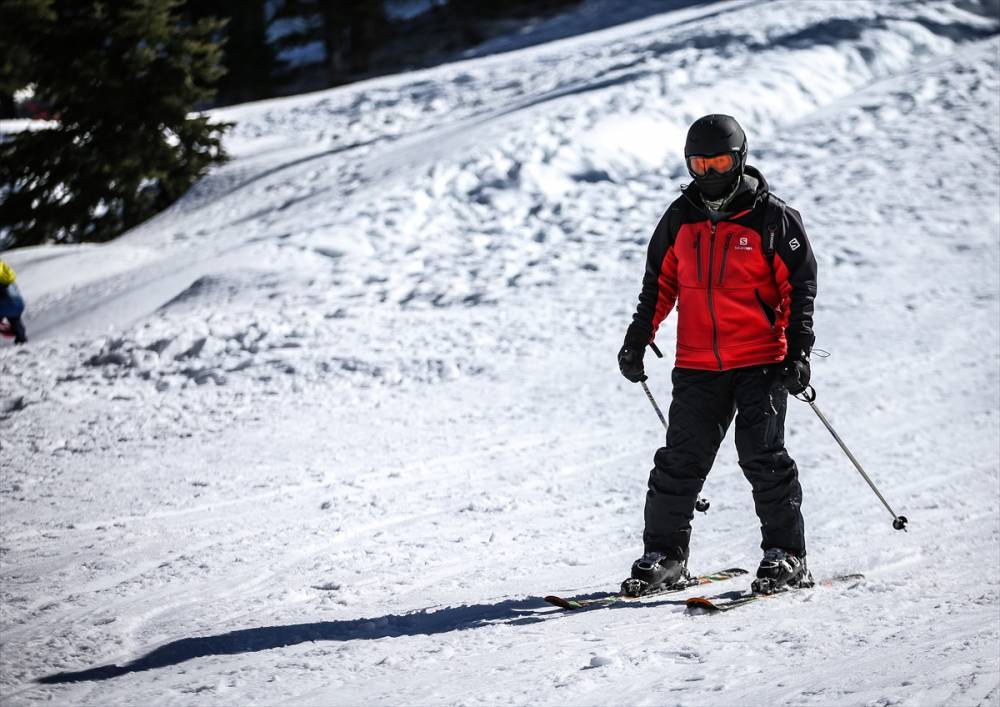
{"x": 743, "y": 241}
{"x": 794, "y": 244}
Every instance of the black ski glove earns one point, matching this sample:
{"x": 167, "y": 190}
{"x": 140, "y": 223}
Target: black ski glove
{"x": 630, "y": 362}
{"x": 632, "y": 351}
{"x": 794, "y": 372}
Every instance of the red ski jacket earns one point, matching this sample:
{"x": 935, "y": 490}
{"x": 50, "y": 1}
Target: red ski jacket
{"x": 743, "y": 286}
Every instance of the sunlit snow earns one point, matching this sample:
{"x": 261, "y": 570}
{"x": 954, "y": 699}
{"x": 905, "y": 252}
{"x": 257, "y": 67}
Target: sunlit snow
{"x": 327, "y": 430}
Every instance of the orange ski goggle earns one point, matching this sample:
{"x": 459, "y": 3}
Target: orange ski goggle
{"x": 700, "y": 165}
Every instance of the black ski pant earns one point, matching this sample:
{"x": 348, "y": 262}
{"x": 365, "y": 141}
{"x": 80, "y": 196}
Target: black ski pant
{"x": 701, "y": 410}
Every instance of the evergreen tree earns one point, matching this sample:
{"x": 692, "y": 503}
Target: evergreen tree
{"x": 508, "y": 8}
{"x": 351, "y": 31}
{"x": 21, "y": 22}
{"x": 120, "y": 78}
{"x": 251, "y": 64}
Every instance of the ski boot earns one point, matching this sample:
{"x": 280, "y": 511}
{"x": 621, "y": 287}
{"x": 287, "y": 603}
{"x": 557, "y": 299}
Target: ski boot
{"x": 780, "y": 570}
{"x": 654, "y": 571}
{"x": 17, "y": 326}
{"x": 13, "y": 327}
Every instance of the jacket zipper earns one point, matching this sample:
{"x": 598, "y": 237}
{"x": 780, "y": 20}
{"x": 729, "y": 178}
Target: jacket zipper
{"x": 697, "y": 253}
{"x": 725, "y": 254}
{"x": 711, "y": 307}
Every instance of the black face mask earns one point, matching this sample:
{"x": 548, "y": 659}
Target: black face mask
{"x": 715, "y": 186}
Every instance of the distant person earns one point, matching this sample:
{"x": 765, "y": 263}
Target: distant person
{"x": 11, "y": 305}
{"x": 736, "y": 262}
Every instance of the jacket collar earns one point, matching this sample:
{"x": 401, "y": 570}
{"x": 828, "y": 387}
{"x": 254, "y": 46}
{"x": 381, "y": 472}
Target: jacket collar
{"x": 748, "y": 194}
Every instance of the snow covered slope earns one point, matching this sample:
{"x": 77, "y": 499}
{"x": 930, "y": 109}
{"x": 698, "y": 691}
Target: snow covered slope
{"x": 327, "y": 430}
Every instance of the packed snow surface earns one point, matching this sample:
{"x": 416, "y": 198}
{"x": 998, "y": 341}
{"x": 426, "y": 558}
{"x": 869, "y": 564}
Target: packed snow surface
{"x": 327, "y": 430}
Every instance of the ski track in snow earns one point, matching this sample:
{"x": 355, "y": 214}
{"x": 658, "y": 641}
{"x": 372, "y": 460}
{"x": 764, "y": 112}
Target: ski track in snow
{"x": 327, "y": 430}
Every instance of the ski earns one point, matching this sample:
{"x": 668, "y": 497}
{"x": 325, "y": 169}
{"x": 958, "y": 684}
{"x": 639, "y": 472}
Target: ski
{"x": 728, "y": 602}
{"x": 607, "y": 600}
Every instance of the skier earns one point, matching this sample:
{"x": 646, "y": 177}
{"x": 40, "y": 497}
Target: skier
{"x": 11, "y": 304}
{"x": 736, "y": 262}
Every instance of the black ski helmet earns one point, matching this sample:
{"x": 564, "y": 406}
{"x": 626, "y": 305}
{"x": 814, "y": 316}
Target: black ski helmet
{"x": 713, "y": 135}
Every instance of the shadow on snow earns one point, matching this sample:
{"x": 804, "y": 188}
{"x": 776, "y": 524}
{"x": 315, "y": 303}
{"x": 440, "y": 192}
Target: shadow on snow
{"x": 251, "y": 640}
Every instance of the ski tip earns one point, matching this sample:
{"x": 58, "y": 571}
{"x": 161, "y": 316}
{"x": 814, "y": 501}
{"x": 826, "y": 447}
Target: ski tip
{"x": 701, "y": 603}
{"x": 560, "y": 602}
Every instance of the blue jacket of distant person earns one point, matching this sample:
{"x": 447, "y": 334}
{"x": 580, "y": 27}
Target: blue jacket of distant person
{"x": 11, "y": 303}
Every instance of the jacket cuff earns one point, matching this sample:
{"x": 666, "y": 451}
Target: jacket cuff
{"x": 637, "y": 336}
{"x": 800, "y": 347}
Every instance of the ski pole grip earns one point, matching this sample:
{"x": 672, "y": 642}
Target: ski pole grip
{"x": 655, "y": 350}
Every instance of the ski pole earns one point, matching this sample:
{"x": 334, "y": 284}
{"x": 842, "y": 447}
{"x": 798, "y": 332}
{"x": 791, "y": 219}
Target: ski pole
{"x": 701, "y": 504}
{"x": 652, "y": 401}
{"x": 809, "y": 396}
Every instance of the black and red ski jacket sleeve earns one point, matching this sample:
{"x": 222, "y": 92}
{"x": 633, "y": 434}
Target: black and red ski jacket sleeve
{"x": 795, "y": 273}
{"x": 659, "y": 283}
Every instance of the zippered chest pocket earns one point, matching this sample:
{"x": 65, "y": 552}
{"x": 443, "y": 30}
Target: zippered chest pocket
{"x": 725, "y": 257}
{"x": 741, "y": 261}
{"x": 697, "y": 253}
{"x": 692, "y": 255}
